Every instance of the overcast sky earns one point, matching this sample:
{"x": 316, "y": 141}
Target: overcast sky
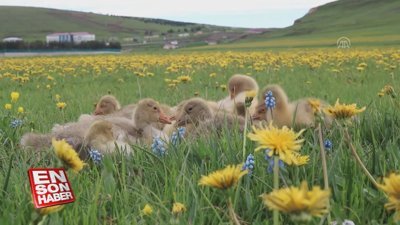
{"x": 239, "y": 13}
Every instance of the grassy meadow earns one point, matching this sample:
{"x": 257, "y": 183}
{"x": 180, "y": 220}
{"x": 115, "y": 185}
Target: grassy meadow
{"x": 360, "y": 21}
{"x": 43, "y": 21}
{"x": 116, "y": 191}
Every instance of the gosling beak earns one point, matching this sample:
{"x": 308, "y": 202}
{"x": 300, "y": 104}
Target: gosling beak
{"x": 180, "y": 123}
{"x": 96, "y": 113}
{"x": 164, "y": 118}
{"x": 255, "y": 117}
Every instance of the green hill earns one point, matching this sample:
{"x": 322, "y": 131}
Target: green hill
{"x": 32, "y": 23}
{"x": 364, "y": 22}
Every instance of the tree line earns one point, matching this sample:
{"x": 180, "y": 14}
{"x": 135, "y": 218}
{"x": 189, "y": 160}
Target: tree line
{"x": 42, "y": 45}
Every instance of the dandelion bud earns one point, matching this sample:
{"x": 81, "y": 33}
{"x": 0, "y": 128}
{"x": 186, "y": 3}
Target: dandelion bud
{"x": 14, "y": 96}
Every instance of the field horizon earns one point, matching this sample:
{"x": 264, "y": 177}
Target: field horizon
{"x": 321, "y": 27}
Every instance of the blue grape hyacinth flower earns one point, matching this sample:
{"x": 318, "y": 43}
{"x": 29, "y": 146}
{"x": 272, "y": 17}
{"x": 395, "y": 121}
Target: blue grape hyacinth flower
{"x": 95, "y": 156}
{"x": 271, "y": 162}
{"x": 16, "y": 123}
{"x": 270, "y": 101}
{"x": 328, "y": 144}
{"x": 178, "y": 135}
{"x": 158, "y": 147}
{"x": 249, "y": 164}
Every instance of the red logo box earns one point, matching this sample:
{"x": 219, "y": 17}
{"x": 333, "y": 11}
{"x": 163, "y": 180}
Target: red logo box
{"x": 50, "y": 186}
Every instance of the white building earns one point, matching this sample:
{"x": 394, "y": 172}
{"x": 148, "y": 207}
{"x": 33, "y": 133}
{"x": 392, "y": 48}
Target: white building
{"x": 170, "y": 46}
{"x": 72, "y": 37}
{"x": 12, "y": 39}
{"x": 149, "y": 37}
{"x": 184, "y": 35}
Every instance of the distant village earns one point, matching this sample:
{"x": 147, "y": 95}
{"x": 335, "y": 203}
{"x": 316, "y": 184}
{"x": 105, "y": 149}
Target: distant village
{"x": 168, "y": 42}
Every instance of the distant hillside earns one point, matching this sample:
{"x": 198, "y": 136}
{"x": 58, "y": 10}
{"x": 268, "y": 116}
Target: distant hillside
{"x": 32, "y": 23}
{"x": 364, "y": 22}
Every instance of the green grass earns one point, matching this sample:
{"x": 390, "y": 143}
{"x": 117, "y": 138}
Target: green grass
{"x": 116, "y": 191}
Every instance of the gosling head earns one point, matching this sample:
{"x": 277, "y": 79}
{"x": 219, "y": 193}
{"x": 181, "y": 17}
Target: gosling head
{"x": 106, "y": 105}
{"x": 260, "y": 112}
{"x": 193, "y": 111}
{"x": 241, "y": 83}
{"x": 148, "y": 111}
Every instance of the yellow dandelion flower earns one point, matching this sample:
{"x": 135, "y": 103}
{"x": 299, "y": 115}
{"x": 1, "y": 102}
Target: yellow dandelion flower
{"x": 299, "y": 201}
{"x": 360, "y": 69}
{"x": 362, "y": 64}
{"x": 299, "y": 160}
{"x": 251, "y": 94}
{"x": 224, "y": 178}
{"x": 282, "y": 142}
{"x": 48, "y": 86}
{"x": 387, "y": 90}
{"x": 50, "y": 209}
{"x": 184, "y": 78}
{"x": 14, "y": 96}
{"x": 213, "y": 74}
{"x": 178, "y": 208}
{"x": 315, "y": 105}
{"x": 175, "y": 81}
{"x": 343, "y": 111}
{"x": 249, "y": 97}
{"x": 58, "y": 97}
{"x": 391, "y": 186}
{"x": 335, "y": 70}
{"x": 8, "y": 106}
{"x": 50, "y": 78}
{"x": 172, "y": 85}
{"x": 20, "y": 109}
{"x": 61, "y": 105}
{"x": 68, "y": 155}
{"x": 147, "y": 210}
{"x": 223, "y": 87}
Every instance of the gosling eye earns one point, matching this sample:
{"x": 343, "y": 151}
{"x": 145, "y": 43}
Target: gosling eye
{"x": 190, "y": 109}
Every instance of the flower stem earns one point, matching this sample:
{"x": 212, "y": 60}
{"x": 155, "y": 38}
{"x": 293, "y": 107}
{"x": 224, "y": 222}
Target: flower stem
{"x": 244, "y": 134}
{"x": 357, "y": 158}
{"x": 232, "y": 213}
{"x": 324, "y": 164}
{"x": 39, "y": 220}
{"x": 276, "y": 187}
